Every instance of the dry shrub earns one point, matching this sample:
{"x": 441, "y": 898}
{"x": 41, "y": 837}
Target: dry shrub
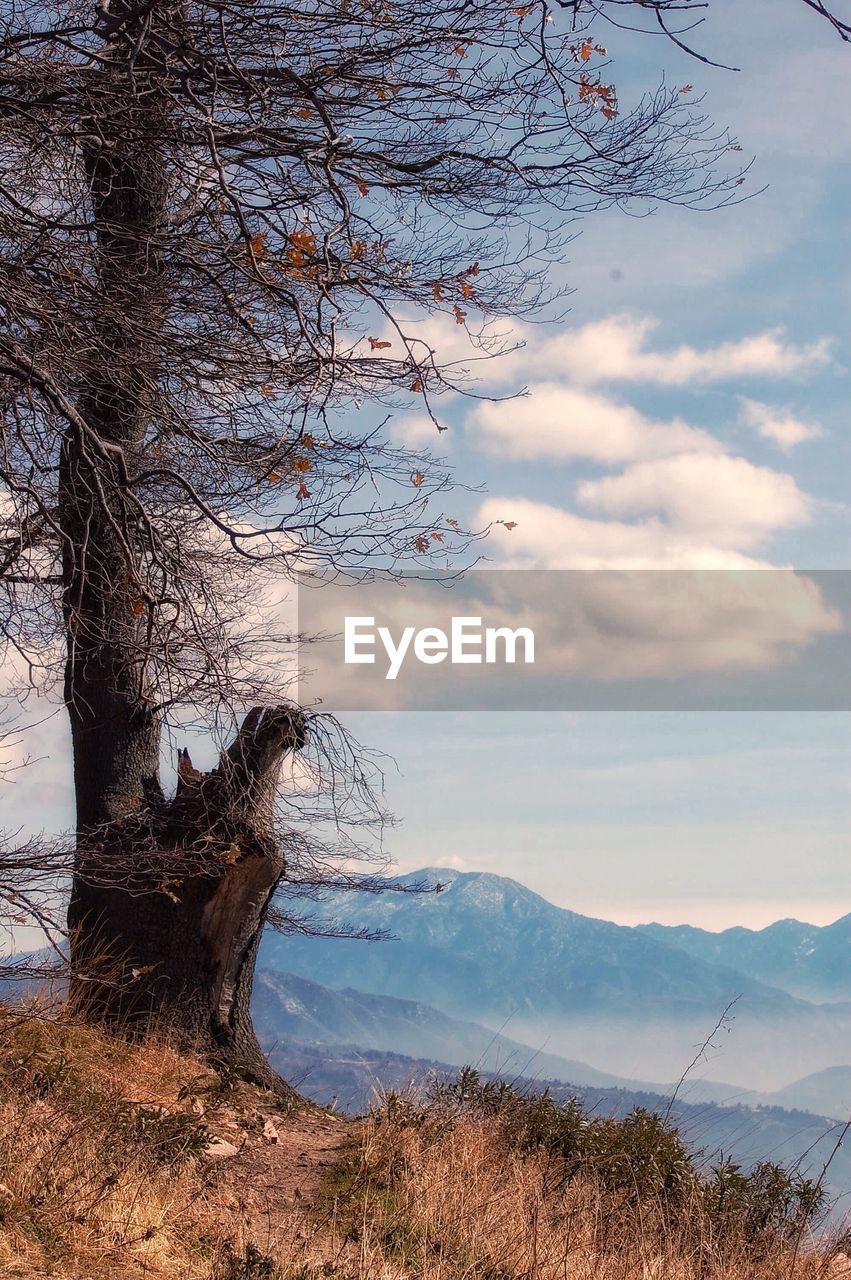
{"x": 490, "y": 1187}
{"x": 103, "y": 1175}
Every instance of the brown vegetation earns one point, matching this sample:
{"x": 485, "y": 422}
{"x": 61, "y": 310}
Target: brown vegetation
{"x": 120, "y": 1160}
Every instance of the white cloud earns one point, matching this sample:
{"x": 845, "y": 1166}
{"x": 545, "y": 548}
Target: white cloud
{"x": 555, "y": 421}
{"x": 615, "y": 349}
{"x": 550, "y": 537}
{"x": 675, "y": 496}
{"x": 608, "y": 627}
{"x": 777, "y": 424}
{"x": 417, "y": 431}
{"x": 726, "y": 500}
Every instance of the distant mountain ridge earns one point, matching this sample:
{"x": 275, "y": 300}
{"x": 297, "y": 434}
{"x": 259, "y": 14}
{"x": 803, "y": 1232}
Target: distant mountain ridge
{"x": 488, "y": 941}
{"x": 809, "y": 961}
{"x": 286, "y": 1007}
{"x": 291, "y": 1010}
{"x": 491, "y": 951}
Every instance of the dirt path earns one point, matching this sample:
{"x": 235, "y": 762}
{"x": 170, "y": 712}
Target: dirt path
{"x": 269, "y": 1166}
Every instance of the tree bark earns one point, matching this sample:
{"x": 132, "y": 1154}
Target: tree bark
{"x": 168, "y": 898}
{"x": 173, "y": 947}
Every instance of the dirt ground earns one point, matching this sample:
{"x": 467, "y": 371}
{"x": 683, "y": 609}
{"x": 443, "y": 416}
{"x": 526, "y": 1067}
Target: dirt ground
{"x": 269, "y": 1166}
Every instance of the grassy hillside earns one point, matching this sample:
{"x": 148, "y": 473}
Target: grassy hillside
{"x": 481, "y": 1181}
{"x": 120, "y": 1161}
{"x": 350, "y": 1078}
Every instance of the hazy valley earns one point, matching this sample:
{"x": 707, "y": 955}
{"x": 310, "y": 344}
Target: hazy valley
{"x": 632, "y": 1003}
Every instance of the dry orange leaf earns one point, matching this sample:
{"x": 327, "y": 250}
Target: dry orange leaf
{"x": 304, "y": 240}
{"x": 417, "y": 478}
{"x": 362, "y": 187}
{"x": 467, "y": 289}
{"x": 437, "y": 291}
{"x": 302, "y": 465}
{"x": 421, "y": 543}
{"x": 509, "y": 524}
{"x": 268, "y": 391}
{"x": 460, "y": 316}
{"x": 274, "y": 477}
{"x": 258, "y": 245}
{"x": 303, "y": 491}
{"x": 138, "y": 607}
{"x": 375, "y": 344}
{"x": 585, "y": 50}
{"x": 305, "y": 113}
{"x": 417, "y": 384}
{"x": 453, "y": 524}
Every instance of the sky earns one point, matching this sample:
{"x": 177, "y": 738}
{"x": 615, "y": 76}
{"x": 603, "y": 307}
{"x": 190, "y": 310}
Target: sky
{"x": 689, "y": 411}
{"x": 708, "y": 818}
{"x": 692, "y": 412}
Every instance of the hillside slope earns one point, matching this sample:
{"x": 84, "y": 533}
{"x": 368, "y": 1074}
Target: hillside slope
{"x": 134, "y": 1162}
{"x": 124, "y": 1162}
{"x": 287, "y": 1007}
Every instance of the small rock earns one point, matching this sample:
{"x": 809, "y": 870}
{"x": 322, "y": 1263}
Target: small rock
{"x": 220, "y": 1149}
{"x": 270, "y": 1133}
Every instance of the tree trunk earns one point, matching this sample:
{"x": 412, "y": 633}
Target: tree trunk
{"x": 169, "y": 902}
{"x": 168, "y": 898}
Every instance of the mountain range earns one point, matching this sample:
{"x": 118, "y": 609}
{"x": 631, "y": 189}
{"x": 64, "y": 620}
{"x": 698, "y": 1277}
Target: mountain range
{"x": 637, "y": 1003}
{"x": 291, "y": 1010}
{"x": 803, "y": 959}
{"x": 286, "y": 1007}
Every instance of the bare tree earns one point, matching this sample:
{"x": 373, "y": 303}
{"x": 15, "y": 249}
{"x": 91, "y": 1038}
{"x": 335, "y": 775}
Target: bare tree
{"x": 217, "y": 219}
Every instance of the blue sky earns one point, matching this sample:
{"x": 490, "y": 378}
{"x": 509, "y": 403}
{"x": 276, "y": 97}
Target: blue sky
{"x": 691, "y": 411}
{"x": 735, "y": 325}
{"x": 703, "y": 817}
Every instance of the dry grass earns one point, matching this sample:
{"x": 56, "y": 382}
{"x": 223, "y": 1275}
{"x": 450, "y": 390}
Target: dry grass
{"x": 95, "y": 1173}
{"x": 103, "y": 1164}
{"x": 449, "y": 1199}
{"x": 104, "y": 1173}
